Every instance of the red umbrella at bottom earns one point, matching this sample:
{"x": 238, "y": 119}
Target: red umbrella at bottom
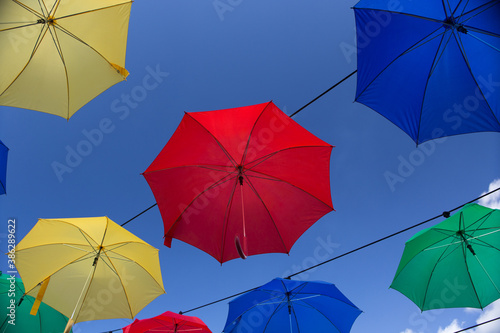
{"x": 168, "y": 322}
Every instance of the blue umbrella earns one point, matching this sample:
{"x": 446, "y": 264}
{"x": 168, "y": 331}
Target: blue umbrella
{"x": 295, "y": 306}
{"x": 430, "y": 67}
{"x": 3, "y": 166}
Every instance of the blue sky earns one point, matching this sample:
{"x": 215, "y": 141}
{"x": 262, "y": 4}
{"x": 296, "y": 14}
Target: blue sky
{"x": 189, "y": 55}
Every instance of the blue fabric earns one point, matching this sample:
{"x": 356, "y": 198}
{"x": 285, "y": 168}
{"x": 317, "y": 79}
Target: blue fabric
{"x": 315, "y": 307}
{"x": 3, "y": 167}
{"x": 431, "y": 69}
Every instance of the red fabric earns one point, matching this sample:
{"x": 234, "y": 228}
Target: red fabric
{"x": 168, "y": 322}
{"x": 286, "y": 185}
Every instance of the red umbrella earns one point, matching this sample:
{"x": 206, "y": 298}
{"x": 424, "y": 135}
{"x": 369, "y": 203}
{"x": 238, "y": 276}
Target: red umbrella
{"x": 248, "y": 174}
{"x": 168, "y": 322}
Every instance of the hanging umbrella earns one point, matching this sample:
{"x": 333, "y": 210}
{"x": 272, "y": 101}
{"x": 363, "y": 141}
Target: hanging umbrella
{"x": 292, "y": 306}
{"x": 168, "y": 322}
{"x": 16, "y": 312}
{"x": 57, "y": 55}
{"x": 3, "y": 167}
{"x": 430, "y": 67}
{"x": 454, "y": 263}
{"x": 241, "y": 181}
{"x": 88, "y": 268}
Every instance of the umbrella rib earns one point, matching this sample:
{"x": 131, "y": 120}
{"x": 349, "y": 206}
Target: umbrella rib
{"x": 217, "y": 183}
{"x": 419, "y": 43}
{"x": 435, "y": 62}
{"x": 94, "y": 10}
{"x": 487, "y": 274}
{"x": 479, "y": 9}
{"x": 251, "y": 132}
{"x": 29, "y": 9}
{"x": 42, "y": 34}
{"x": 268, "y": 212}
{"x": 114, "y": 270}
{"x": 231, "y": 159}
{"x": 226, "y": 220}
{"x": 432, "y": 273}
{"x": 272, "y": 178}
{"x": 212, "y": 167}
{"x": 462, "y": 49}
{"x": 272, "y": 154}
{"x": 468, "y": 274}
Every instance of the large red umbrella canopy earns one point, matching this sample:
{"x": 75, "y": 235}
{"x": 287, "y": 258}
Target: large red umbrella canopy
{"x": 249, "y": 175}
{"x": 168, "y": 322}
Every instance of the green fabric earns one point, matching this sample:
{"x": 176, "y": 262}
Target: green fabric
{"x": 47, "y": 319}
{"x": 438, "y": 270}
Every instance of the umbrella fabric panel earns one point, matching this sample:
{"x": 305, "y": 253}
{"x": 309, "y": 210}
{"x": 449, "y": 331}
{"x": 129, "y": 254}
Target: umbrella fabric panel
{"x": 309, "y": 165}
{"x": 273, "y": 132}
{"x": 190, "y": 145}
{"x": 383, "y": 37}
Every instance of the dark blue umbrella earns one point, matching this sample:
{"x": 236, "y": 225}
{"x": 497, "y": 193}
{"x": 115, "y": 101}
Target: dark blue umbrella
{"x": 3, "y": 166}
{"x": 430, "y": 67}
{"x": 292, "y": 306}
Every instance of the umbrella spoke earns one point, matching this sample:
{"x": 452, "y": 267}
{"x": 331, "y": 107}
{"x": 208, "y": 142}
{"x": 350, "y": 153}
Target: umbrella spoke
{"x": 93, "y": 10}
{"x": 32, "y": 11}
{"x": 478, "y": 10}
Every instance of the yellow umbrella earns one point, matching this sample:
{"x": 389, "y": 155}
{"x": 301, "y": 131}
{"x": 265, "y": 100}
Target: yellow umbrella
{"x": 88, "y": 268}
{"x": 57, "y": 55}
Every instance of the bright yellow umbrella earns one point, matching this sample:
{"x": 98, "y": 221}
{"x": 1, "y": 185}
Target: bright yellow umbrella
{"x": 88, "y": 268}
{"x": 57, "y": 55}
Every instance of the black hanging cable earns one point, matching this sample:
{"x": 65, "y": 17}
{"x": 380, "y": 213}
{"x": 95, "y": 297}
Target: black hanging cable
{"x": 321, "y": 95}
{"x": 352, "y": 251}
{"x": 293, "y": 114}
{"x": 139, "y": 214}
{"x": 471, "y": 327}
{"x": 445, "y": 214}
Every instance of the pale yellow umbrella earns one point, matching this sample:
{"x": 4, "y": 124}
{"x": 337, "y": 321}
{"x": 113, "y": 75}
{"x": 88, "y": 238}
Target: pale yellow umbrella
{"x": 88, "y": 268}
{"x": 57, "y": 55}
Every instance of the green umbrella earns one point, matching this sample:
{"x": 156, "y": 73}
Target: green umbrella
{"x": 16, "y": 318}
{"x": 455, "y": 263}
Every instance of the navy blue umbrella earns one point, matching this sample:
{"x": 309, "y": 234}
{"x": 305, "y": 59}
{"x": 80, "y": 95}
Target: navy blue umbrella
{"x": 3, "y": 166}
{"x": 292, "y": 306}
{"x": 431, "y": 67}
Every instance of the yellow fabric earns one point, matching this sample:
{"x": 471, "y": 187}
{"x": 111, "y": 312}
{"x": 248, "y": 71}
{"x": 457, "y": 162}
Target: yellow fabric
{"x": 127, "y": 275}
{"x": 39, "y": 297}
{"x": 60, "y": 77}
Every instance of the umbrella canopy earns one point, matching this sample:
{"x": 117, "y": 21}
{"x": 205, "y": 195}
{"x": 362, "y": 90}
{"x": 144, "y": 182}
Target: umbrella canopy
{"x": 57, "y": 55}
{"x": 292, "y": 306}
{"x": 454, "y": 263}
{"x": 89, "y": 268}
{"x": 248, "y": 175}
{"x": 16, "y": 314}
{"x": 3, "y": 167}
{"x": 430, "y": 67}
{"x": 168, "y": 322}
